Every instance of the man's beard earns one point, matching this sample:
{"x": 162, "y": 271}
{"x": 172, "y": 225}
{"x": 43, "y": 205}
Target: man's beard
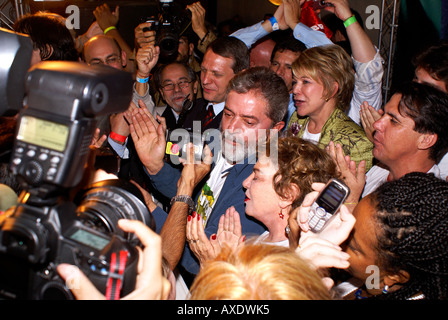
{"x": 234, "y": 147}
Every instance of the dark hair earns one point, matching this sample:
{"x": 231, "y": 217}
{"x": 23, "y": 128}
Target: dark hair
{"x": 269, "y": 85}
{"x": 412, "y": 224}
{"x": 427, "y": 106}
{"x": 434, "y": 60}
{"x": 158, "y": 73}
{"x": 288, "y": 43}
{"x": 233, "y": 48}
{"x": 48, "y": 34}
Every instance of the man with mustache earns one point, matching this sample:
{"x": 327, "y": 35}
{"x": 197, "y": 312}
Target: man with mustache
{"x": 256, "y": 101}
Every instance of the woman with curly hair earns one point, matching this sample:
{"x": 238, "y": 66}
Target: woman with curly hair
{"x": 281, "y": 178}
{"x": 401, "y": 228}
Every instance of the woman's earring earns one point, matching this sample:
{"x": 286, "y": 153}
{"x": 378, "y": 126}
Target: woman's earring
{"x": 281, "y": 215}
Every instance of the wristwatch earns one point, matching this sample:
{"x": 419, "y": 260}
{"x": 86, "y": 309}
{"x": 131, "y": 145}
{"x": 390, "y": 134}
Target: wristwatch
{"x": 183, "y": 198}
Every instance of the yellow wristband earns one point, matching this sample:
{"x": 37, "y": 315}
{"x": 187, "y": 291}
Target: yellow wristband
{"x": 110, "y": 28}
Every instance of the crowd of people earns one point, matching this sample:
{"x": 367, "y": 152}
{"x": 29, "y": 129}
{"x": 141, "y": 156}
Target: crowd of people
{"x": 280, "y": 116}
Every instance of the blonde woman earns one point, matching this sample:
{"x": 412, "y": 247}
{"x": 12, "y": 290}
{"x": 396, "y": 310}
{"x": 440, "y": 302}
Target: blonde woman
{"x": 323, "y": 88}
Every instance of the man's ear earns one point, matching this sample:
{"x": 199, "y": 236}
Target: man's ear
{"x": 190, "y": 49}
{"x": 427, "y": 140}
{"x": 279, "y": 126}
{"x": 162, "y": 94}
{"x": 195, "y": 86}
{"x": 49, "y": 49}
{"x": 124, "y": 62}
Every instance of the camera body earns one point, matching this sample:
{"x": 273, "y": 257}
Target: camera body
{"x": 327, "y": 204}
{"x": 49, "y": 225}
{"x": 34, "y": 241}
{"x": 169, "y": 24}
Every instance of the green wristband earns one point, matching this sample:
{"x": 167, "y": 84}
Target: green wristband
{"x": 350, "y": 21}
{"x": 110, "y": 28}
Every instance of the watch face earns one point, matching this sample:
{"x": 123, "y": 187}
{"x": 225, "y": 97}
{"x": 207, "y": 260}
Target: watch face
{"x": 275, "y": 26}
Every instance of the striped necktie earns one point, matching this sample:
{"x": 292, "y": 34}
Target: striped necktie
{"x": 210, "y": 115}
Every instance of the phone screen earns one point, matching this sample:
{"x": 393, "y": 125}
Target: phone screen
{"x": 331, "y": 198}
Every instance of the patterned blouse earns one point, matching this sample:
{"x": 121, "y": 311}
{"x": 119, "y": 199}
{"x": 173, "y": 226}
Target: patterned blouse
{"x": 339, "y": 128}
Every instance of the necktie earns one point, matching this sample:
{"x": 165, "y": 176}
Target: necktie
{"x": 210, "y": 115}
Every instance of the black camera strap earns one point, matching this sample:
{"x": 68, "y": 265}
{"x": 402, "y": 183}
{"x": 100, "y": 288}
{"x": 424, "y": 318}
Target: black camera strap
{"x": 115, "y": 279}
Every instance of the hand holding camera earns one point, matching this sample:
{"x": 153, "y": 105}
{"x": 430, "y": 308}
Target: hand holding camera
{"x": 151, "y": 285}
{"x": 198, "y": 19}
{"x": 144, "y": 36}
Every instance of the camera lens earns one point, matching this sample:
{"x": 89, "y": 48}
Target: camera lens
{"x": 55, "y": 291}
{"x": 101, "y": 205}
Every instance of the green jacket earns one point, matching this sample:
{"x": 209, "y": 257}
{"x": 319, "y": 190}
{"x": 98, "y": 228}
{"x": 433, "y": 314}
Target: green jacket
{"x": 339, "y": 128}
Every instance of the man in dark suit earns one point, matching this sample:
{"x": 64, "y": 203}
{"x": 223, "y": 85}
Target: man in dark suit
{"x": 177, "y": 85}
{"x": 256, "y": 102}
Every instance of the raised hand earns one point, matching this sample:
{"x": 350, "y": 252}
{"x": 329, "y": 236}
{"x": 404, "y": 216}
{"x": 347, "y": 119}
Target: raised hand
{"x": 203, "y": 248}
{"x": 149, "y": 139}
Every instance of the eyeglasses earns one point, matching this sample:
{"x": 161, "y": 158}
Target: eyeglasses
{"x": 181, "y": 84}
{"x": 109, "y": 61}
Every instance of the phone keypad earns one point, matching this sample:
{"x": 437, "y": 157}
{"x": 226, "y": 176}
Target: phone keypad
{"x": 318, "y": 218}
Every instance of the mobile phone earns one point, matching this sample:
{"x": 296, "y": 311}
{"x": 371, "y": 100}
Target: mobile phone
{"x": 320, "y": 4}
{"x": 327, "y": 204}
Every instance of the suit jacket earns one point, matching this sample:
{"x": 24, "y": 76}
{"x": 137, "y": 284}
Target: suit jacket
{"x": 198, "y": 113}
{"x": 167, "y": 113}
{"x": 132, "y": 168}
{"x": 232, "y": 194}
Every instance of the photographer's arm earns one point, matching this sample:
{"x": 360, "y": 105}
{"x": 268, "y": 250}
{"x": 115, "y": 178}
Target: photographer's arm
{"x": 205, "y": 35}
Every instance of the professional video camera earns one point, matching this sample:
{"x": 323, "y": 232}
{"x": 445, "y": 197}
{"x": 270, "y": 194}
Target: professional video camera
{"x": 49, "y": 225}
{"x": 170, "y": 23}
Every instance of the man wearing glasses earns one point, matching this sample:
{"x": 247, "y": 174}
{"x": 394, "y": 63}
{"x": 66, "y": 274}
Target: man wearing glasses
{"x": 178, "y": 86}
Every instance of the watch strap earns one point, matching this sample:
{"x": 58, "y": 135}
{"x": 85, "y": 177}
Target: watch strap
{"x": 183, "y": 198}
